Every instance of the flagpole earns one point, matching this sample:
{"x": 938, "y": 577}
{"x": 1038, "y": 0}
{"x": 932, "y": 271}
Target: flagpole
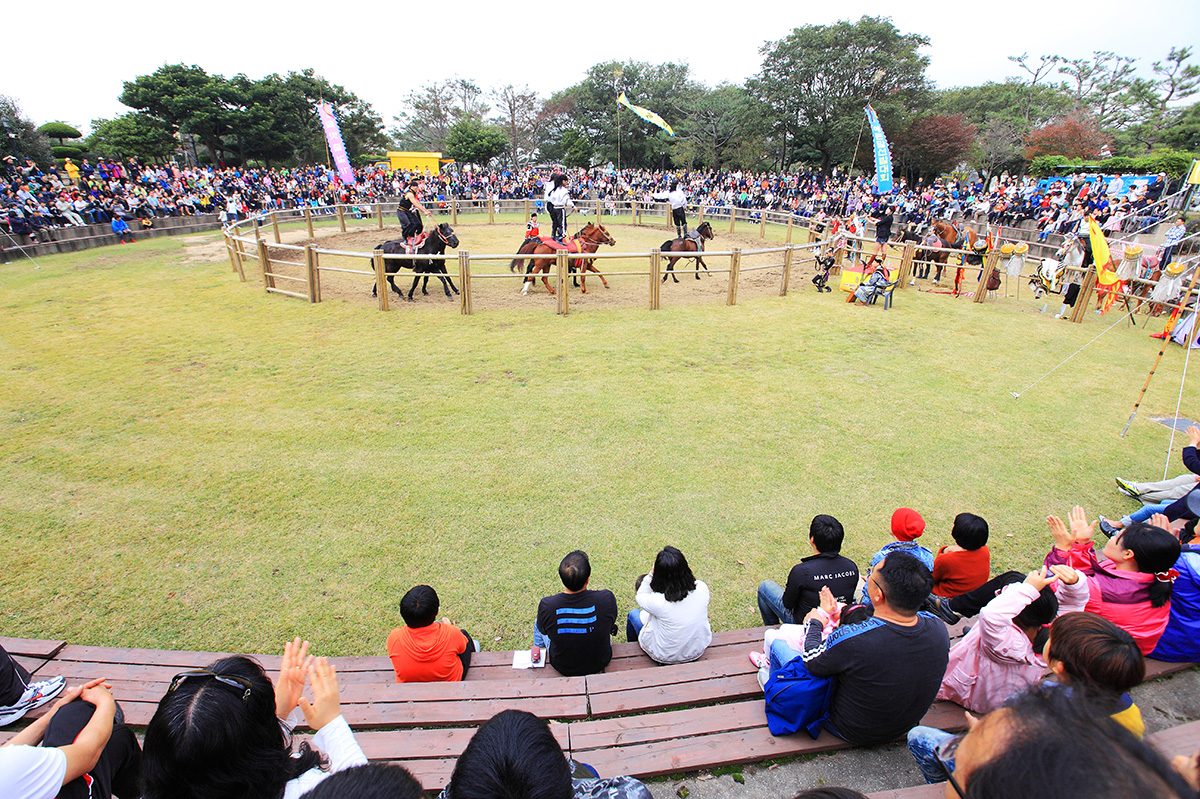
{"x": 879, "y": 73}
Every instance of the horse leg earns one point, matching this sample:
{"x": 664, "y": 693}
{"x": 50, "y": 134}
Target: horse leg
{"x": 447, "y": 283}
{"x": 391, "y": 279}
{"x": 591, "y": 265}
{"x": 425, "y": 286}
{"x": 416, "y": 280}
{"x": 700, "y": 263}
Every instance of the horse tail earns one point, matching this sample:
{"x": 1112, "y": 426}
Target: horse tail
{"x": 525, "y": 249}
{"x": 666, "y": 245}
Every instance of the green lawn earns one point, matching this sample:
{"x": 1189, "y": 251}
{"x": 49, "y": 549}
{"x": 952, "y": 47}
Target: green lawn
{"x": 186, "y": 462}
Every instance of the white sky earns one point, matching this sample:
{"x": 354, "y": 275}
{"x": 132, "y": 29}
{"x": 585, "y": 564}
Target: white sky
{"x": 70, "y": 65}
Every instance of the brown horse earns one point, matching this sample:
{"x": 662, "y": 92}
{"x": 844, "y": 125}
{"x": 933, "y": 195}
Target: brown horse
{"x": 587, "y": 240}
{"x": 952, "y": 239}
{"x": 686, "y": 245}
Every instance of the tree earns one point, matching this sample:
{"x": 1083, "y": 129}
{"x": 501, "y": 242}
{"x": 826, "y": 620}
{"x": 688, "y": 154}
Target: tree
{"x": 426, "y": 124}
{"x": 521, "y": 114}
{"x": 932, "y": 144}
{"x": 60, "y": 131}
{"x": 18, "y": 136}
{"x": 1174, "y": 80}
{"x": 136, "y": 134}
{"x": 716, "y": 122}
{"x": 1036, "y": 72}
{"x": 814, "y": 84}
{"x": 472, "y": 142}
{"x": 1076, "y": 136}
{"x": 997, "y": 148}
{"x": 1010, "y": 101}
{"x": 1101, "y": 85}
{"x": 189, "y": 99}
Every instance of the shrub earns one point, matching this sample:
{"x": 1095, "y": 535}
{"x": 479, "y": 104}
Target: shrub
{"x": 66, "y": 151}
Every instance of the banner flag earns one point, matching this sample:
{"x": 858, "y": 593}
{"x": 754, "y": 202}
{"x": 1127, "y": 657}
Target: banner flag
{"x": 337, "y": 148}
{"x": 883, "y": 156}
{"x": 645, "y": 113}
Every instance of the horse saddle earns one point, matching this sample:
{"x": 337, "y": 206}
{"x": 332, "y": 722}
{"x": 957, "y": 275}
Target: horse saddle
{"x": 413, "y": 244}
{"x": 570, "y": 246}
{"x": 694, "y": 235}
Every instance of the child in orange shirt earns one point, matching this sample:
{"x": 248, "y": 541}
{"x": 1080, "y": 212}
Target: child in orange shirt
{"x": 425, "y": 651}
{"x": 966, "y": 564}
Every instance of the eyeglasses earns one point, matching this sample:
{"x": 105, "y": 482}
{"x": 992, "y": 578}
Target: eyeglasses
{"x": 232, "y": 680}
{"x": 945, "y": 753}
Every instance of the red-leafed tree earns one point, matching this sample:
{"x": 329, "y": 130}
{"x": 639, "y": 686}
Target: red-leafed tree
{"x": 1074, "y": 136}
{"x": 932, "y": 145}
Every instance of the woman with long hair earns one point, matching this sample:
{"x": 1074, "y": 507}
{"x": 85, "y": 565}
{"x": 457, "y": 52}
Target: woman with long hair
{"x": 222, "y": 732}
{"x": 671, "y": 622}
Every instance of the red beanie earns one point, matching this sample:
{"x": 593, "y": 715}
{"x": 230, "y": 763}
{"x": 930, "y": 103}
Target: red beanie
{"x": 907, "y": 524}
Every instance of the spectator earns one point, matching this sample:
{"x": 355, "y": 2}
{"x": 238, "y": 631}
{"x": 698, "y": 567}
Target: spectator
{"x": 964, "y": 565}
{"x": 224, "y": 731}
{"x": 1180, "y": 641}
{"x": 19, "y": 694}
{"x": 121, "y": 229}
{"x": 825, "y": 568}
{"x": 576, "y": 625}
{"x": 1175, "y": 234}
{"x": 425, "y": 650}
{"x": 372, "y": 781}
{"x": 515, "y": 755}
{"x": 907, "y": 527}
{"x": 76, "y": 751}
{"x": 672, "y": 624}
{"x": 886, "y": 670}
{"x": 1158, "y": 491}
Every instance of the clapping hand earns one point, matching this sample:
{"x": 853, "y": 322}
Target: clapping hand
{"x": 1040, "y": 578}
{"x": 1193, "y": 434}
{"x": 1080, "y": 529}
{"x": 326, "y": 704}
{"x": 1065, "y": 574}
{"x": 1062, "y": 536}
{"x": 292, "y": 673}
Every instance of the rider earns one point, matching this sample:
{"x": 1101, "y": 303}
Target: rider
{"x": 558, "y": 201}
{"x": 410, "y": 210}
{"x": 883, "y": 232}
{"x": 678, "y": 199}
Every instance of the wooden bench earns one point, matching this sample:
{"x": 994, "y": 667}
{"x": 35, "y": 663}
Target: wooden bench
{"x": 1181, "y": 740}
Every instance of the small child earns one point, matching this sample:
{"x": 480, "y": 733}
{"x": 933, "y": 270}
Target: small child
{"x": 964, "y": 565}
{"x": 781, "y": 645}
{"x": 907, "y": 527}
{"x": 531, "y": 230}
{"x": 425, "y": 651}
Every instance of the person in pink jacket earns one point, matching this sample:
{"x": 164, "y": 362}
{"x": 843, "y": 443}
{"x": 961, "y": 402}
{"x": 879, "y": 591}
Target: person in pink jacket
{"x": 1131, "y": 586}
{"x": 1002, "y": 654}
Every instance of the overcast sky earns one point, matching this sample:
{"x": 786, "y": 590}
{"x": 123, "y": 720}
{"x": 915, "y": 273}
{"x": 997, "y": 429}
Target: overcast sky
{"x": 68, "y": 61}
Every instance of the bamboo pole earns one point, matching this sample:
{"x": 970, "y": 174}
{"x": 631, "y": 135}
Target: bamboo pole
{"x": 990, "y": 264}
{"x": 464, "y": 282}
{"x": 265, "y": 262}
{"x": 1085, "y": 297}
{"x": 563, "y": 282}
{"x": 309, "y": 273}
{"x": 381, "y": 287}
{"x": 655, "y": 276}
{"x": 599, "y": 210}
{"x": 275, "y": 225}
{"x": 699, "y": 214}
{"x": 735, "y": 270}
{"x": 787, "y": 268}
{"x": 341, "y": 215}
{"x": 527, "y": 211}
{"x": 308, "y": 221}
{"x": 906, "y": 262}
{"x": 1166, "y": 339}
{"x": 379, "y": 216}
{"x": 316, "y": 267}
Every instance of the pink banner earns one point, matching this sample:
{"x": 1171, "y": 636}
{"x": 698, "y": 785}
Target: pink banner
{"x": 337, "y": 147}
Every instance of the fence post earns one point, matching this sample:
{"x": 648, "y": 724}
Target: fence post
{"x": 464, "y": 282}
{"x": 562, "y": 282}
{"x": 655, "y": 276}
{"x": 308, "y": 221}
{"x": 275, "y": 225}
{"x": 526, "y": 219}
{"x": 637, "y": 213}
{"x": 789, "y": 231}
{"x": 787, "y": 270}
{"x": 229, "y": 250}
{"x": 379, "y": 215}
{"x": 735, "y": 269}
{"x": 381, "y": 286}
{"x": 699, "y": 214}
{"x": 454, "y": 212}
{"x": 310, "y": 273}
{"x": 762, "y": 224}
{"x": 906, "y": 262}
{"x": 732, "y": 217}
{"x": 599, "y": 209}
{"x": 1085, "y": 297}
{"x": 491, "y": 211}
{"x": 341, "y": 214}
{"x": 264, "y": 260}
{"x": 316, "y": 274}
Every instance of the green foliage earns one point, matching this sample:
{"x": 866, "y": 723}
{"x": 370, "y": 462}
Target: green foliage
{"x": 1175, "y": 164}
{"x": 132, "y": 135}
{"x": 1044, "y": 165}
{"x": 64, "y": 151}
{"x": 18, "y": 136}
{"x": 60, "y": 131}
{"x": 983, "y": 104}
{"x": 472, "y": 142}
{"x": 813, "y": 84}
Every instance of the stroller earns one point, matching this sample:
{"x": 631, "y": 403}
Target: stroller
{"x": 821, "y": 278}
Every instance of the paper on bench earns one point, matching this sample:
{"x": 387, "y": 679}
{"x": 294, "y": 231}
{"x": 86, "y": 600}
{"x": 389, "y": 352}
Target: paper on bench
{"x": 522, "y": 660}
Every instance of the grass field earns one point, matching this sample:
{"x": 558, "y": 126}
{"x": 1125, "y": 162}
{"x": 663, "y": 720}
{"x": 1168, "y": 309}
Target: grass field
{"x": 186, "y": 462}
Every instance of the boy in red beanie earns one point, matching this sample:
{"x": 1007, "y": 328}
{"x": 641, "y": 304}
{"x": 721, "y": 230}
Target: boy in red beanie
{"x": 907, "y": 527}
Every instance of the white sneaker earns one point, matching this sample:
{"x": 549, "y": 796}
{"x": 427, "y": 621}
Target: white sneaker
{"x": 36, "y": 695}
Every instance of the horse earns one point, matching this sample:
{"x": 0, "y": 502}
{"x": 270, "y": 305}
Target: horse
{"x": 435, "y": 243}
{"x": 587, "y": 240}
{"x": 686, "y": 245}
{"x": 952, "y": 239}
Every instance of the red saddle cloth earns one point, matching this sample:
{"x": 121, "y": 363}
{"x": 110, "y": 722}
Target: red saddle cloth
{"x": 570, "y": 246}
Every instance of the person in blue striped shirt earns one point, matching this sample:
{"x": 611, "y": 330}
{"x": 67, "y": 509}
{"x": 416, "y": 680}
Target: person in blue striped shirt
{"x": 576, "y": 625}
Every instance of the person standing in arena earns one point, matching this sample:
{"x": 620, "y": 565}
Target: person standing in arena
{"x": 410, "y": 211}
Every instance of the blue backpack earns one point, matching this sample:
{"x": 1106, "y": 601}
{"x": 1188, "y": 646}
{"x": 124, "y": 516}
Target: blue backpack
{"x": 796, "y": 700}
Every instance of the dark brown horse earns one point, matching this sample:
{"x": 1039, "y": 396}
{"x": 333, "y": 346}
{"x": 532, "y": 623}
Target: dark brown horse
{"x": 587, "y": 240}
{"x": 686, "y": 245}
{"x": 952, "y": 239}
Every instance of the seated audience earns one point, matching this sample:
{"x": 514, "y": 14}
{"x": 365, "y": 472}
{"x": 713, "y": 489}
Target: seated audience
{"x": 515, "y": 755}
{"x": 1002, "y": 654}
{"x": 1180, "y": 641}
{"x": 76, "y": 751}
{"x": 886, "y": 671}
{"x": 964, "y": 565}
{"x": 577, "y": 625}
{"x": 425, "y": 650}
{"x": 672, "y": 623}
{"x": 19, "y": 694}
{"x": 825, "y": 568}
{"x": 225, "y": 731}
{"x": 907, "y": 527}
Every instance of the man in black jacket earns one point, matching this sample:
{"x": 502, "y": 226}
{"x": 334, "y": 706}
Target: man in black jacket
{"x": 804, "y": 583}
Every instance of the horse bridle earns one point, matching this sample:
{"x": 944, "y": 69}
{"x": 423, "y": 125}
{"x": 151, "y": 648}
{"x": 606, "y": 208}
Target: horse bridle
{"x": 608, "y": 239}
{"x": 441, "y": 235}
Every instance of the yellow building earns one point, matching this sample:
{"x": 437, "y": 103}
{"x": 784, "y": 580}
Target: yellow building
{"x": 417, "y": 162}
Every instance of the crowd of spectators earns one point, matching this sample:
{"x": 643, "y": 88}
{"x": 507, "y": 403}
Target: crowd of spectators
{"x": 33, "y": 200}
